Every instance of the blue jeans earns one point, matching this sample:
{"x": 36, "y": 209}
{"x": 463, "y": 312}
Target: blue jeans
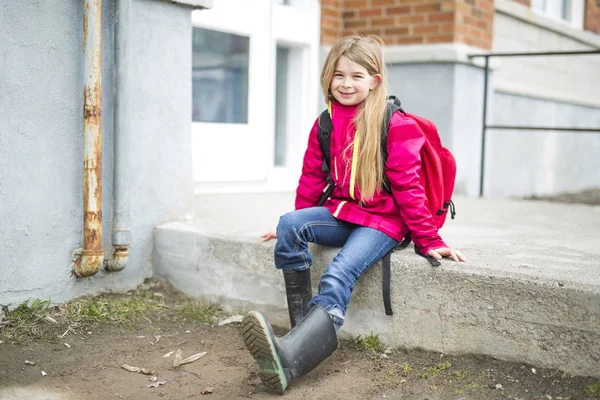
{"x": 361, "y": 248}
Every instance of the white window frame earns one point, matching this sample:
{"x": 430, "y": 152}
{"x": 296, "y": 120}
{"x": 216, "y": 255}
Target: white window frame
{"x": 546, "y": 7}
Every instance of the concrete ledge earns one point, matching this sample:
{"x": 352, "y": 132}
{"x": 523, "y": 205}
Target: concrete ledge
{"x": 196, "y": 4}
{"x": 548, "y": 316}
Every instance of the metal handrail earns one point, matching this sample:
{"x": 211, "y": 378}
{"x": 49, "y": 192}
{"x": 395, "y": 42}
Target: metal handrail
{"x": 485, "y": 126}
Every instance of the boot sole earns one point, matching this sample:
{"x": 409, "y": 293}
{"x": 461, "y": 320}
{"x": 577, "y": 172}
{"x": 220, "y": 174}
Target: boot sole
{"x": 259, "y": 343}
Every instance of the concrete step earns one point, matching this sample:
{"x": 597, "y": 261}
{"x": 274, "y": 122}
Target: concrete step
{"x": 530, "y": 291}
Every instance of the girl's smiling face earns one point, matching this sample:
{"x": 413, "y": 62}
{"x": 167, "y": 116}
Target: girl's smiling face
{"x": 351, "y": 82}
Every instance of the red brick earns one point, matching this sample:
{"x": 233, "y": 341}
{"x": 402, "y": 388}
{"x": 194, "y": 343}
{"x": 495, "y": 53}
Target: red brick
{"x": 383, "y": 22}
{"x": 371, "y": 12}
{"x": 447, "y": 28}
{"x": 348, "y": 14}
{"x": 411, "y": 19}
{"x": 355, "y": 4}
{"x": 409, "y": 40}
{"x": 427, "y": 8}
{"x": 439, "y": 39}
{"x": 378, "y": 3}
{"x": 399, "y": 30}
{"x": 440, "y": 17}
{"x": 355, "y": 24}
{"x": 397, "y": 10}
{"x": 430, "y": 28}
{"x": 592, "y": 16}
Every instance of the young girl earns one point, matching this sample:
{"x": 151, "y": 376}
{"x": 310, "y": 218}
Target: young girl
{"x": 359, "y": 216}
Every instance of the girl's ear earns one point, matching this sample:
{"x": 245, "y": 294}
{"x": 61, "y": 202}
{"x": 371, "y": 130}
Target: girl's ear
{"x": 375, "y": 81}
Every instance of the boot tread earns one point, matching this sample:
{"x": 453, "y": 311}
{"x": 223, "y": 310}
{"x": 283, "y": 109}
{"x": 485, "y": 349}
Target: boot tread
{"x": 256, "y": 339}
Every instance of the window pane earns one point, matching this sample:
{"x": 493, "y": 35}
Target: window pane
{"x": 219, "y": 76}
{"x": 281, "y": 95}
{"x": 566, "y": 10}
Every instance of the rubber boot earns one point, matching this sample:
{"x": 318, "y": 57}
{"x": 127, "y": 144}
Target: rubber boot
{"x": 282, "y": 359}
{"x": 298, "y": 290}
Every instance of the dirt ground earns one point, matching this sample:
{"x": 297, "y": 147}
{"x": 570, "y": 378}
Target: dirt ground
{"x": 83, "y": 360}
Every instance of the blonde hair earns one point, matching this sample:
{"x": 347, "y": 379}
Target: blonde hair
{"x": 368, "y": 53}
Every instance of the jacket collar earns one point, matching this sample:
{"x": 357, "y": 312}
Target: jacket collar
{"x": 340, "y": 110}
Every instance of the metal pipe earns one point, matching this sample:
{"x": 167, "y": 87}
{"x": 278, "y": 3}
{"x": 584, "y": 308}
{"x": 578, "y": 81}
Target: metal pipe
{"x": 547, "y": 53}
{"x": 121, "y": 235}
{"x": 90, "y": 260}
{"x": 485, "y": 96}
{"x": 543, "y": 128}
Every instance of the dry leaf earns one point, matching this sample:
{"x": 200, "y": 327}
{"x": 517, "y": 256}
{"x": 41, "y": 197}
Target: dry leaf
{"x": 232, "y": 319}
{"x": 130, "y": 368}
{"x": 50, "y": 319}
{"x": 147, "y": 371}
{"x": 156, "y": 384}
{"x": 177, "y": 360}
{"x": 169, "y": 354}
{"x": 27, "y": 362}
{"x": 193, "y": 358}
{"x": 207, "y": 390}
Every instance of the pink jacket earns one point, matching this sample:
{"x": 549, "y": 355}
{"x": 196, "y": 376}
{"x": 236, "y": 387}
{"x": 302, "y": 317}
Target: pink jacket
{"x": 395, "y": 214}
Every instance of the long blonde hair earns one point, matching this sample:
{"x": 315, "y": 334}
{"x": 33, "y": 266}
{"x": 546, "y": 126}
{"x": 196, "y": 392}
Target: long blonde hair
{"x": 368, "y": 53}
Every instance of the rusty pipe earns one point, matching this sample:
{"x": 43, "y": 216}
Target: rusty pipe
{"x": 90, "y": 260}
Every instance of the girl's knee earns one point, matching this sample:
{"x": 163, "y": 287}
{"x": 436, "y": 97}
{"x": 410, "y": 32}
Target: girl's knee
{"x": 288, "y": 221}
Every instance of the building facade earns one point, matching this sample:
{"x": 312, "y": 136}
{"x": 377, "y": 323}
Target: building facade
{"x": 428, "y": 49}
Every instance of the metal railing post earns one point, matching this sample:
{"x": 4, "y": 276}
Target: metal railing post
{"x": 484, "y": 125}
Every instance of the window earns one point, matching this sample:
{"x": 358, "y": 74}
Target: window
{"x": 283, "y": 2}
{"x": 281, "y": 106}
{"x": 570, "y": 11}
{"x": 219, "y": 77}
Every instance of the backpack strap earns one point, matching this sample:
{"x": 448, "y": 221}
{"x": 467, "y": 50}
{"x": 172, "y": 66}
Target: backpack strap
{"x": 324, "y": 134}
{"x": 390, "y": 110}
{"x": 385, "y": 282}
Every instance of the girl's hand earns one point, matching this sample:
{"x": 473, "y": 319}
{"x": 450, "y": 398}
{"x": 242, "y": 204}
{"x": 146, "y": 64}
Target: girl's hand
{"x": 268, "y": 236}
{"x": 446, "y": 252}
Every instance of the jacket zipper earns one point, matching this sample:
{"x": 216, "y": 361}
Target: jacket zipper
{"x": 354, "y": 162}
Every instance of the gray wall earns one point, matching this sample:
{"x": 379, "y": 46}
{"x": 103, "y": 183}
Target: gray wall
{"x": 450, "y": 95}
{"x": 41, "y": 141}
{"x": 524, "y": 163}
{"x": 517, "y": 163}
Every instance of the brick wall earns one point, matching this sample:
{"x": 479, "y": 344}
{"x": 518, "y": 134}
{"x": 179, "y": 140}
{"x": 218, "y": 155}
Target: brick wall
{"x": 592, "y": 16}
{"x": 411, "y": 21}
{"x": 331, "y": 20}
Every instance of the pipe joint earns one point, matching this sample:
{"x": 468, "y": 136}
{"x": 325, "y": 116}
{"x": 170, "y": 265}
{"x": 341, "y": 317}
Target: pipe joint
{"x": 119, "y": 260}
{"x": 87, "y": 262}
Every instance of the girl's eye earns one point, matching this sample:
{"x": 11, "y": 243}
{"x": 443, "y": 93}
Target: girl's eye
{"x": 358, "y": 76}
{"x": 338, "y": 75}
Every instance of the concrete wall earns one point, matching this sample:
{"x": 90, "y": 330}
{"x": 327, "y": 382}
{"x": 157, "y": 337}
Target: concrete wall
{"x": 572, "y": 79}
{"x": 525, "y": 163}
{"x": 41, "y": 141}
{"x": 542, "y": 91}
{"x": 450, "y": 95}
